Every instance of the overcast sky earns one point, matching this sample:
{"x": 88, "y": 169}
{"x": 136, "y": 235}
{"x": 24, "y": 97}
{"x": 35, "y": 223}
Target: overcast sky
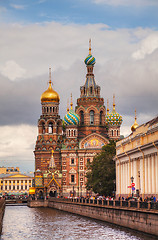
{"x": 36, "y": 35}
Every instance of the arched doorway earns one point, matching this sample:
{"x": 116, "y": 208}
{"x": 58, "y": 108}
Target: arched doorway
{"x": 53, "y": 193}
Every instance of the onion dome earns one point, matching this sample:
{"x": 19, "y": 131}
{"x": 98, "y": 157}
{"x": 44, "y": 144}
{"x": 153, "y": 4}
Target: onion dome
{"x": 71, "y": 118}
{"x": 114, "y": 118}
{"x": 50, "y": 95}
{"x": 135, "y": 125}
{"x": 90, "y": 60}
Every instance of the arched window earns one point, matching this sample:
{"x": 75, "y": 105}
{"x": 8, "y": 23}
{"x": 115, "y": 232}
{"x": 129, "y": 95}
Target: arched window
{"x": 47, "y": 109}
{"x": 117, "y": 133}
{"x": 74, "y": 132}
{"x": 91, "y": 117}
{"x": 84, "y": 90}
{"x": 101, "y": 117}
{"x": 50, "y": 109}
{"x": 82, "y": 117}
{"x": 112, "y": 133}
{"x": 43, "y": 127}
{"x": 50, "y": 127}
{"x": 69, "y": 133}
{"x": 91, "y": 90}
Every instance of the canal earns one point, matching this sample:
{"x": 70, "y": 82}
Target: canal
{"x": 21, "y": 222}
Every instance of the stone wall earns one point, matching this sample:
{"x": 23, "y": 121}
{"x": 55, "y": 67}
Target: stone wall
{"x": 141, "y": 220}
{"x": 37, "y": 203}
{"x": 2, "y": 209}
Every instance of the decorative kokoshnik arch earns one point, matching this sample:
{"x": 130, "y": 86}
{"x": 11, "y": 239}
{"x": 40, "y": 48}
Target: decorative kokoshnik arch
{"x": 93, "y": 141}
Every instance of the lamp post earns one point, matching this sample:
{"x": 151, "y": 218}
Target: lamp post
{"x": 132, "y": 178}
{"x": 114, "y": 187}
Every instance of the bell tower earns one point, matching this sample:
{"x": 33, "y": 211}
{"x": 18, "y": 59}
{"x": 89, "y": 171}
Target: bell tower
{"x": 49, "y": 130}
{"x": 90, "y": 106}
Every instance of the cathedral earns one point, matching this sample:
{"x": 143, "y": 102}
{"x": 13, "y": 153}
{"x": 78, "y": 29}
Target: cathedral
{"x": 64, "y": 147}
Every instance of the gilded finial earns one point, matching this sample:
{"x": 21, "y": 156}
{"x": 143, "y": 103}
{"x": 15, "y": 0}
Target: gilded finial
{"x": 135, "y": 125}
{"x": 50, "y": 76}
{"x": 71, "y": 104}
{"x": 67, "y": 105}
{"x": 107, "y": 106}
{"x": 114, "y": 102}
{"x": 135, "y": 114}
{"x": 90, "y": 46}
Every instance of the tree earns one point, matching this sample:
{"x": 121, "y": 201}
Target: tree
{"x": 101, "y": 172}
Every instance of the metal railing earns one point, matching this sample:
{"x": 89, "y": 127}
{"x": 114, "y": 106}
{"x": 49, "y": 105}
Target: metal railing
{"x": 116, "y": 203}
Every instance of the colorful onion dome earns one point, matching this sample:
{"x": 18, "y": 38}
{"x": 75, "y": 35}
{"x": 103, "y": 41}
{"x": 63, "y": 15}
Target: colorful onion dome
{"x": 90, "y": 60}
{"x": 71, "y": 118}
{"x": 113, "y": 119}
{"x": 50, "y": 95}
{"x": 135, "y": 125}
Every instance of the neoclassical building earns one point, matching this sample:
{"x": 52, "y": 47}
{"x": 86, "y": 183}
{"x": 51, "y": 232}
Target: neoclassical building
{"x": 64, "y": 147}
{"x": 137, "y": 161}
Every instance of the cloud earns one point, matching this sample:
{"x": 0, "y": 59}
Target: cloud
{"x": 147, "y": 46}
{"x": 12, "y": 70}
{"x": 127, "y": 2}
{"x": 18, "y": 7}
{"x": 17, "y": 141}
{"x": 28, "y": 51}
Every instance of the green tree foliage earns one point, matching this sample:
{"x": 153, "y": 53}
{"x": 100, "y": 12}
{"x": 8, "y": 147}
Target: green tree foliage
{"x": 101, "y": 172}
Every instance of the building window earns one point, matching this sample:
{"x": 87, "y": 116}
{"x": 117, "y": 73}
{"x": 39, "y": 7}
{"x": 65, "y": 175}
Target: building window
{"x": 91, "y": 117}
{"x": 117, "y": 133}
{"x": 50, "y": 128}
{"x": 72, "y": 178}
{"x": 112, "y": 133}
{"x": 82, "y": 117}
{"x": 72, "y": 161}
{"x": 88, "y": 160}
{"x": 91, "y": 90}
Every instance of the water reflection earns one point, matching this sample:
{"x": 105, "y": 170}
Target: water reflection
{"x": 21, "y": 222}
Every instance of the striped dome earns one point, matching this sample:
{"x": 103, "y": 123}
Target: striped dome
{"x": 113, "y": 119}
{"x": 90, "y": 60}
{"x": 71, "y": 118}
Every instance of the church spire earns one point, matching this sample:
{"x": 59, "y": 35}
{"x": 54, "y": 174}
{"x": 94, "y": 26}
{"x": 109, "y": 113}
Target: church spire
{"x": 50, "y": 81}
{"x": 71, "y": 104}
{"x": 114, "y": 102}
{"x": 107, "y": 106}
{"x": 90, "y": 46}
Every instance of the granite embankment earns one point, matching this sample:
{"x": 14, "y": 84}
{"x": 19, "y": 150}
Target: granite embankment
{"x": 130, "y": 215}
{"x": 2, "y": 209}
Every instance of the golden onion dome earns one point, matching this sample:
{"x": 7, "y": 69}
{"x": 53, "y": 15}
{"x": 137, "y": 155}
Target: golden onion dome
{"x": 135, "y": 125}
{"x": 50, "y": 95}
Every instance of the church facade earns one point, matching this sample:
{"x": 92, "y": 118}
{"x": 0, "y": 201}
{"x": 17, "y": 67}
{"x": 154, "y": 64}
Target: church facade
{"x": 64, "y": 147}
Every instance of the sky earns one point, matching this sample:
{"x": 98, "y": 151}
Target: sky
{"x": 36, "y": 35}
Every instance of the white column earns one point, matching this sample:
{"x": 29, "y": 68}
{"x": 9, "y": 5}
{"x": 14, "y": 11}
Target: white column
{"x": 149, "y": 176}
{"x": 156, "y": 166}
{"x": 152, "y": 175}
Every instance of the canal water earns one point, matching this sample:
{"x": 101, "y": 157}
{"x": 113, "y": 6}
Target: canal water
{"x": 22, "y": 223}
